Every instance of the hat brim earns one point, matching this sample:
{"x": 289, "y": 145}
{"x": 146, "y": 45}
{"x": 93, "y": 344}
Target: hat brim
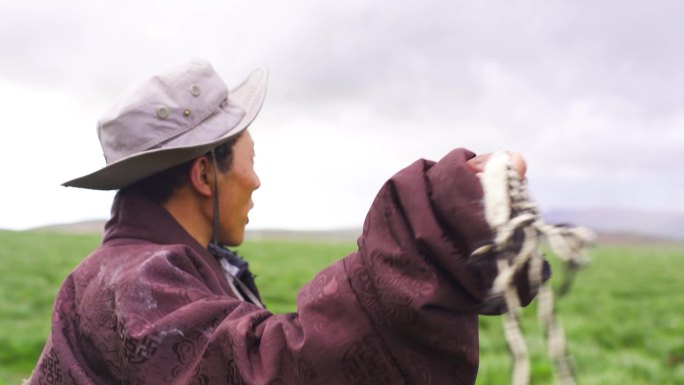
{"x": 249, "y": 96}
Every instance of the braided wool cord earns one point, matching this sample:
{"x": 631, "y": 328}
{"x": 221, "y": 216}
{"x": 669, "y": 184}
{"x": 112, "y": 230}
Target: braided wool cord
{"x": 519, "y": 230}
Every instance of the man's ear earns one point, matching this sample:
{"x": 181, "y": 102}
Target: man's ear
{"x": 202, "y": 176}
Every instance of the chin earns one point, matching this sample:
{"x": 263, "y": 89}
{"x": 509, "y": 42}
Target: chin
{"x": 234, "y": 240}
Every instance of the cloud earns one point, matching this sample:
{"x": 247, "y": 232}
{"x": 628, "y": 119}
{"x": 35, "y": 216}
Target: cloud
{"x": 364, "y": 88}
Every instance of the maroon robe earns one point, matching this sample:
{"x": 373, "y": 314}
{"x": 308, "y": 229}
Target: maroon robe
{"x": 151, "y": 306}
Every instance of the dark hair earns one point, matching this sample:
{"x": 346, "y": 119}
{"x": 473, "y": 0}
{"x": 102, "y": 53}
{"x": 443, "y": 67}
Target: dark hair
{"x": 160, "y": 186}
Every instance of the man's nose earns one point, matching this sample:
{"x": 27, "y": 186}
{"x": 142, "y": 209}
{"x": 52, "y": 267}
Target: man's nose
{"x": 257, "y": 181}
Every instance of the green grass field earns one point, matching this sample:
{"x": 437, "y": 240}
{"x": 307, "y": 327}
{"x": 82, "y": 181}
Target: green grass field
{"x": 624, "y": 318}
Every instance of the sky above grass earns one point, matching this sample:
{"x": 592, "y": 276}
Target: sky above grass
{"x": 589, "y": 92}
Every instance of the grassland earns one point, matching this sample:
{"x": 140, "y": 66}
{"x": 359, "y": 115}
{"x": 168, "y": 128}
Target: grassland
{"x": 624, "y": 318}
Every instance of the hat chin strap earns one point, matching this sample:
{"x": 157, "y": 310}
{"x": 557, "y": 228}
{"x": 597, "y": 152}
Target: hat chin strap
{"x": 224, "y": 256}
{"x": 216, "y": 210}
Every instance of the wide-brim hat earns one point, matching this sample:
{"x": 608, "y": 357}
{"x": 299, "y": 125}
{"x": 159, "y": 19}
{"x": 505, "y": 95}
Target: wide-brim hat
{"x": 169, "y": 119}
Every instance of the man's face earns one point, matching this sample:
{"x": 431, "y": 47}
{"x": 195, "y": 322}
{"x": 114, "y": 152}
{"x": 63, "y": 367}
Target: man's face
{"x": 235, "y": 192}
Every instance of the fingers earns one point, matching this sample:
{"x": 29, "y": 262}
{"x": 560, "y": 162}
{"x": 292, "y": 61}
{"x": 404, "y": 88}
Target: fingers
{"x": 477, "y": 163}
{"x": 519, "y": 163}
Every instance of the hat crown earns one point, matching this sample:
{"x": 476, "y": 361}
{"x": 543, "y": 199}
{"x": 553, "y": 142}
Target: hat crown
{"x": 160, "y": 109}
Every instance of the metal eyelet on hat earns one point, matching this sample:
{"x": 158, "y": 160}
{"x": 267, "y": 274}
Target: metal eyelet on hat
{"x": 162, "y": 112}
{"x": 195, "y": 90}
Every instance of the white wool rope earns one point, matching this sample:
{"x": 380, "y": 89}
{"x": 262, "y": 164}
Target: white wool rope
{"x": 518, "y": 231}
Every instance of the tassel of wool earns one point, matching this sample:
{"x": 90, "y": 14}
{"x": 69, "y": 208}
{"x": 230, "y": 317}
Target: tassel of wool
{"x": 518, "y": 232}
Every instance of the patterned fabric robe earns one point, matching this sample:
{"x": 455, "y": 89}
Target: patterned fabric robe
{"x": 151, "y": 306}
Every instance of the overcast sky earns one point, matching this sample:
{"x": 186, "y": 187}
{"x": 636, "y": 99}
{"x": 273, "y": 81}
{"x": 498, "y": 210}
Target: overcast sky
{"x": 589, "y": 91}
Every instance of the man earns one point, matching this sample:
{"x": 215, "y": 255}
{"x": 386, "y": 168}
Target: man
{"x": 162, "y": 301}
